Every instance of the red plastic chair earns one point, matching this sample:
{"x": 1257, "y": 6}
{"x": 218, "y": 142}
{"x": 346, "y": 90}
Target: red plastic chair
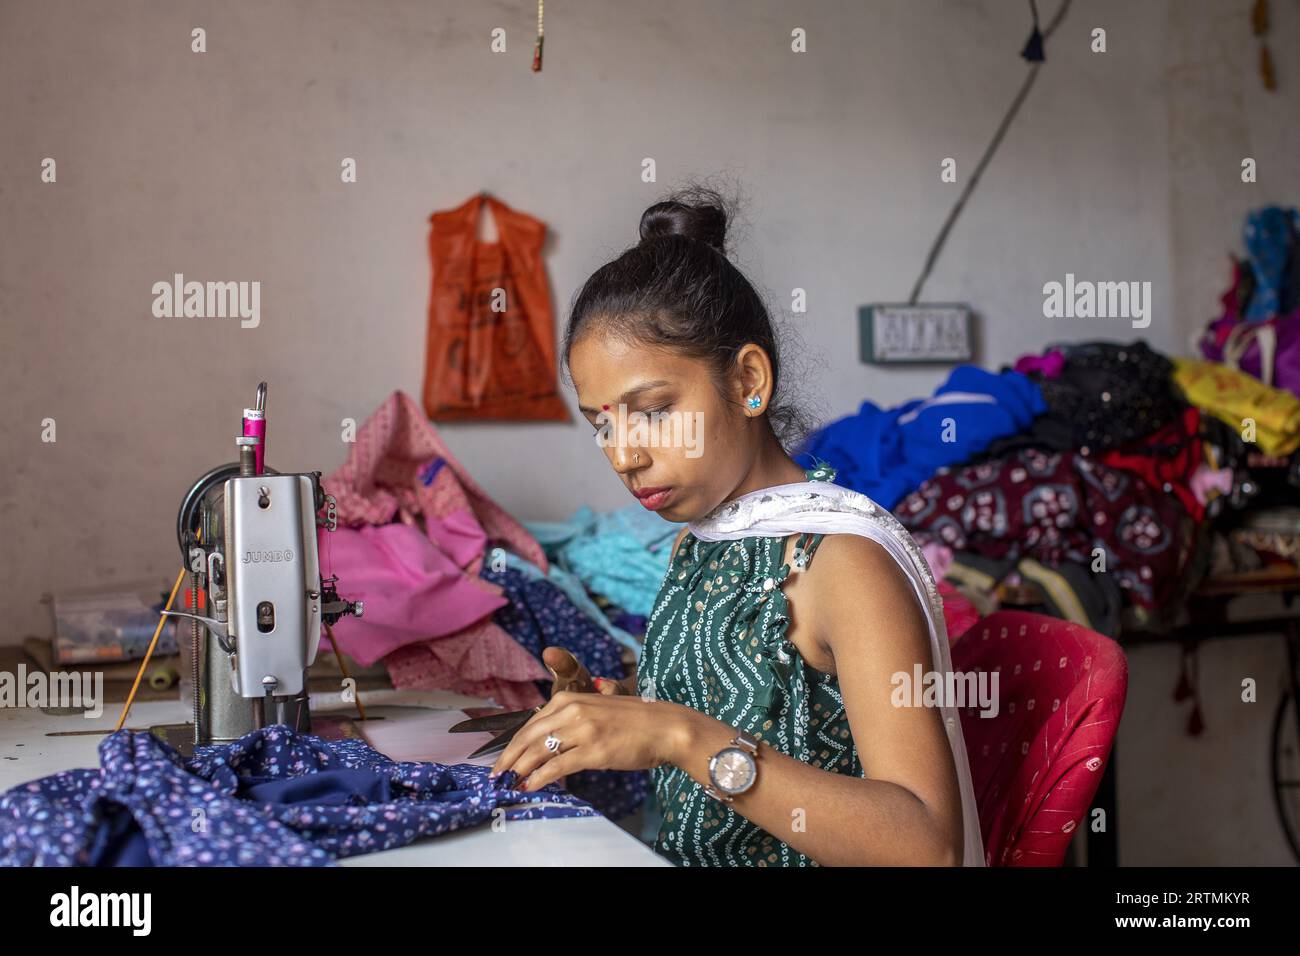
{"x": 1037, "y": 764}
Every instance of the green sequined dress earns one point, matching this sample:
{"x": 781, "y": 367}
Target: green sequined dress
{"x": 716, "y": 641}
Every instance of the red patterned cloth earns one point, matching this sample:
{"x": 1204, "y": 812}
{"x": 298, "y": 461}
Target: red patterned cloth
{"x": 400, "y": 469}
{"x": 1058, "y": 507}
{"x": 1037, "y": 763}
{"x": 468, "y": 662}
{"x": 1166, "y": 459}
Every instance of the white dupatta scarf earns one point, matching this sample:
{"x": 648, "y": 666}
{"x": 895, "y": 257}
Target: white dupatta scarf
{"x": 819, "y": 507}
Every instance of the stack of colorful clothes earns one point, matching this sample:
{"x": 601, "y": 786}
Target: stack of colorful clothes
{"x": 1249, "y": 384}
{"x": 1086, "y": 476}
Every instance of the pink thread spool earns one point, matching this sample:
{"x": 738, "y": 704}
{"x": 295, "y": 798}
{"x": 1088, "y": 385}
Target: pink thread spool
{"x": 255, "y": 424}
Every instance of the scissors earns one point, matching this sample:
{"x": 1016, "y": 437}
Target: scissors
{"x": 504, "y": 725}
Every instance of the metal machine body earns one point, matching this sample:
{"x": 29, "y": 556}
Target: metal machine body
{"x": 249, "y": 537}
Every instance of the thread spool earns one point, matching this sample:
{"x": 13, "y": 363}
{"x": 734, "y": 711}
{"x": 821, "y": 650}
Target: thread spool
{"x": 163, "y": 678}
{"x": 255, "y": 427}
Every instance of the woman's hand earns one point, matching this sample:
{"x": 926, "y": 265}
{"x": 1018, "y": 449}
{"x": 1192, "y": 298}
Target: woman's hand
{"x": 571, "y": 675}
{"x": 596, "y": 732}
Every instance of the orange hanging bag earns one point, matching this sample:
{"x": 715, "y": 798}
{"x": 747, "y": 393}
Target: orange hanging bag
{"x": 491, "y": 350}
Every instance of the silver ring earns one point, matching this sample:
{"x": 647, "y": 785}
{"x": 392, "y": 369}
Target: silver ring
{"x": 553, "y": 744}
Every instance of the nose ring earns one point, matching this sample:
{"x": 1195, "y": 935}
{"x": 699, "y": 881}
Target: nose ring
{"x": 636, "y": 456}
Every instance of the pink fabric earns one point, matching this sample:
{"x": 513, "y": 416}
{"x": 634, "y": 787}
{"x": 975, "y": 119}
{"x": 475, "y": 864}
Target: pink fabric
{"x": 938, "y": 556}
{"x": 459, "y": 535}
{"x": 412, "y": 591}
{"x": 958, "y": 612}
{"x": 1036, "y": 765}
{"x": 1206, "y": 479}
{"x": 465, "y": 662}
{"x": 382, "y": 480}
{"x": 1049, "y": 365}
{"x": 430, "y": 613}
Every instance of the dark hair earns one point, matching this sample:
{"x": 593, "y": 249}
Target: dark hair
{"x": 677, "y": 288}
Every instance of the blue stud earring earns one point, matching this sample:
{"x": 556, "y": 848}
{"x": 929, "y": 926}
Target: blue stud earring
{"x": 755, "y": 401}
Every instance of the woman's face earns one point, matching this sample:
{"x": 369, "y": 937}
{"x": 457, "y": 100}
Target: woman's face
{"x": 660, "y": 421}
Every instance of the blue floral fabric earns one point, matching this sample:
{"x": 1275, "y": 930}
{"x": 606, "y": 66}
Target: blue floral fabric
{"x": 575, "y": 591}
{"x": 274, "y": 797}
{"x": 540, "y": 615}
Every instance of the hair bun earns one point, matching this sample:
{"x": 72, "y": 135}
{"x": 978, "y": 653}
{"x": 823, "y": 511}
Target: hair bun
{"x": 696, "y": 213}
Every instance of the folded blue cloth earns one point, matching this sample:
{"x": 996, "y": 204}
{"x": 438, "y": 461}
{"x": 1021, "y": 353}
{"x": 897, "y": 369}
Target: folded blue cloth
{"x": 621, "y": 554}
{"x": 647, "y": 528}
{"x": 272, "y": 798}
{"x": 885, "y": 455}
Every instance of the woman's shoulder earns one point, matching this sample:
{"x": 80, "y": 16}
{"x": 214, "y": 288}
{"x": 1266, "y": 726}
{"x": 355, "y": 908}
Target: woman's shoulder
{"x": 848, "y": 566}
{"x": 853, "y": 579}
{"x": 843, "y": 552}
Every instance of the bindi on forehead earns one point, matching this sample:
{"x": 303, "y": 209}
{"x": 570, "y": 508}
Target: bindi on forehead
{"x": 630, "y": 394}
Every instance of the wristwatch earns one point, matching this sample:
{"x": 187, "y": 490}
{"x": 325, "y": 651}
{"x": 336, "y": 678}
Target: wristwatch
{"x": 733, "y": 769}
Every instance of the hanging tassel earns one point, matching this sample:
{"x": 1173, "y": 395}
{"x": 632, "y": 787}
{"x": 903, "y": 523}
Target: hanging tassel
{"x": 1259, "y": 17}
{"x": 1266, "y": 68}
{"x": 1033, "y": 51}
{"x": 537, "y": 47}
{"x": 1259, "y": 26}
{"x": 1195, "y": 725}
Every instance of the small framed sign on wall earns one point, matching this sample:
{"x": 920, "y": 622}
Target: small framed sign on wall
{"x": 892, "y": 334}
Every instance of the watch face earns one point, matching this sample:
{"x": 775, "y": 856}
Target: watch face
{"x": 732, "y": 770}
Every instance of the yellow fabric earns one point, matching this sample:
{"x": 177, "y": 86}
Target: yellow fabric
{"x": 1232, "y": 397}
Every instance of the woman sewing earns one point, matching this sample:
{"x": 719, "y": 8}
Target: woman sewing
{"x": 763, "y": 701}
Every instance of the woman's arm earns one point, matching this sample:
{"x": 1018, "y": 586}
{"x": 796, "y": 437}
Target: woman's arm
{"x": 909, "y": 810}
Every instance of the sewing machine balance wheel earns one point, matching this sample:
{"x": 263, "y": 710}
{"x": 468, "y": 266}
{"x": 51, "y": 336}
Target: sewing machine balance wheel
{"x": 186, "y": 521}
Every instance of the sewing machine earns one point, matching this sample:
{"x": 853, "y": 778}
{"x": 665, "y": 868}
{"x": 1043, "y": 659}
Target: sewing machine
{"x": 248, "y": 537}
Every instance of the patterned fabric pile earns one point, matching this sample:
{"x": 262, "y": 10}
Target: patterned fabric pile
{"x": 271, "y": 798}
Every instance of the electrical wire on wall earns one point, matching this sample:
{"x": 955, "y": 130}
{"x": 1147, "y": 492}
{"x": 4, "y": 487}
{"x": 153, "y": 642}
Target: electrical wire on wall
{"x": 1033, "y": 52}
